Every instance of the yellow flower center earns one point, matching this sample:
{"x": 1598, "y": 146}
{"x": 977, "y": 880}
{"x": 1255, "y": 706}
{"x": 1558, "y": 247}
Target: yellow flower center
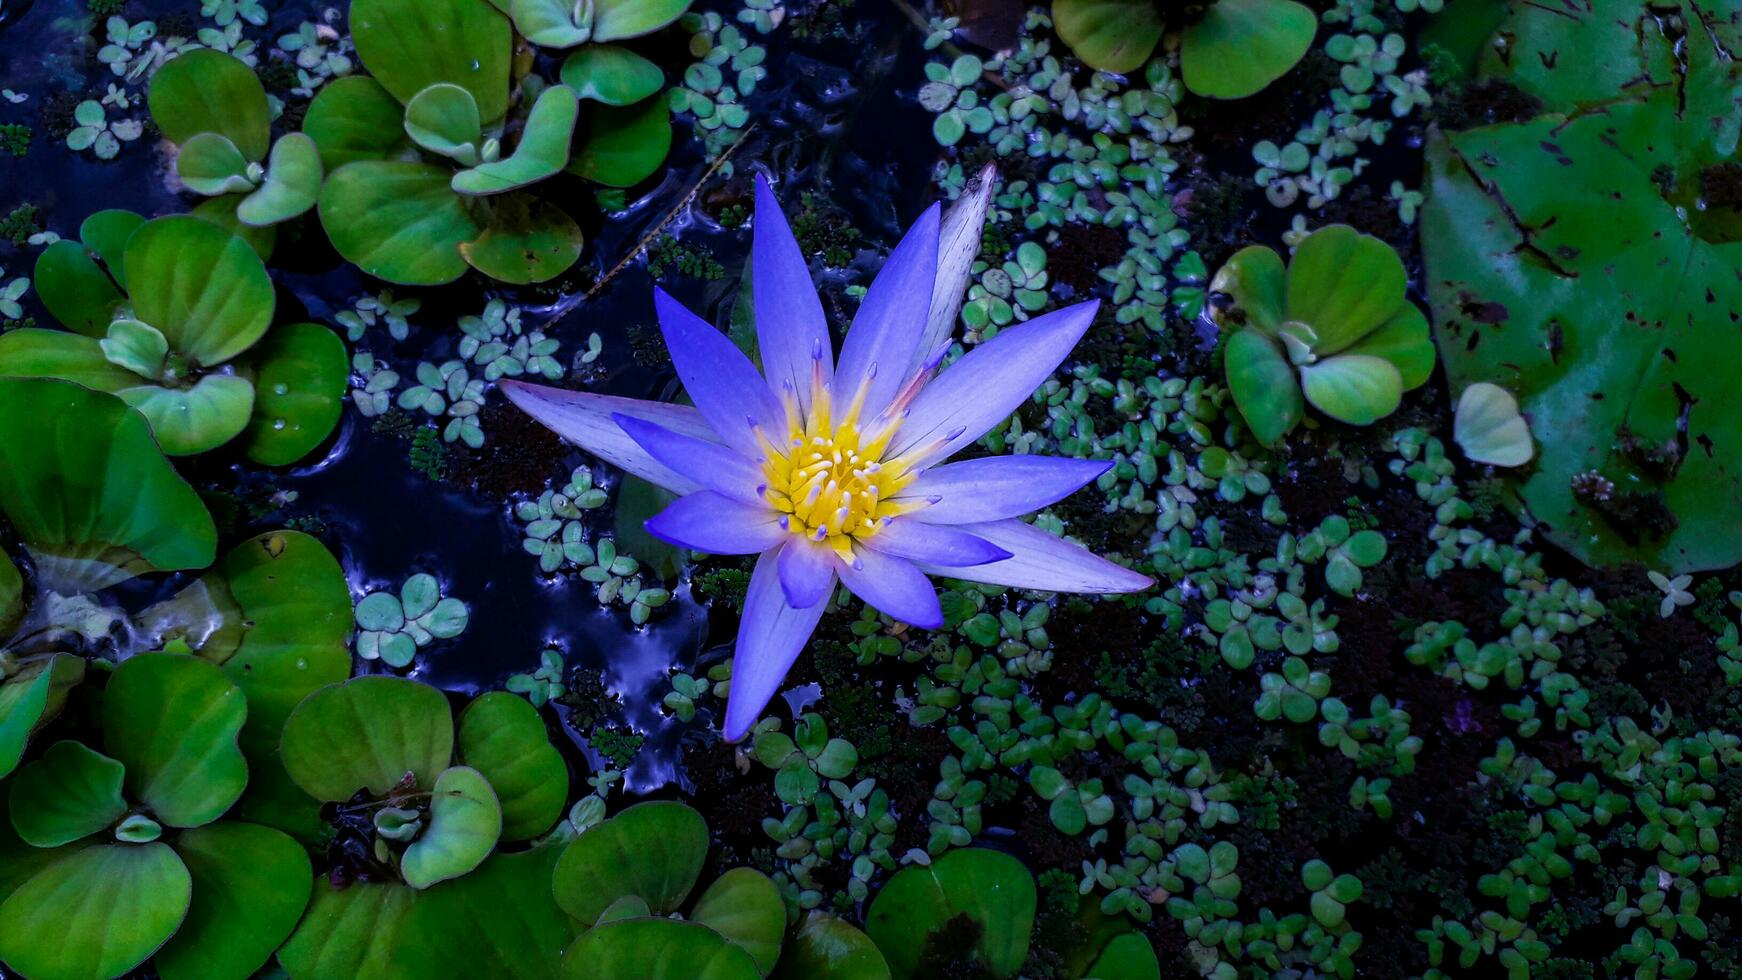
{"x": 829, "y": 478}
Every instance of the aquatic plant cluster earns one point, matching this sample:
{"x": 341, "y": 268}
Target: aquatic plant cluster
{"x": 814, "y": 488}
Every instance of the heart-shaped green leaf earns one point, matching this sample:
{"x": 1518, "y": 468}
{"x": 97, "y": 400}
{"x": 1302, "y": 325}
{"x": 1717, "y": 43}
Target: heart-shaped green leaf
{"x": 1263, "y": 385}
{"x": 621, "y": 147}
{"x": 654, "y": 850}
{"x": 409, "y": 45}
{"x": 443, "y": 119}
{"x": 1353, "y": 388}
{"x": 498, "y": 921}
{"x": 616, "y": 20}
{"x": 187, "y": 421}
{"x": 612, "y": 74}
{"x": 1489, "y": 428}
{"x": 206, "y": 289}
{"x": 348, "y": 932}
{"x": 465, "y": 823}
{"x": 527, "y": 240}
{"x": 1239, "y": 47}
{"x": 1343, "y": 285}
{"x": 502, "y": 736}
{"x": 656, "y": 949}
{"x": 293, "y": 183}
{"x": 136, "y": 346}
{"x": 208, "y": 91}
{"x": 367, "y": 733}
{"x": 354, "y": 118}
{"x": 397, "y": 220}
{"x": 210, "y": 164}
{"x": 1112, "y": 35}
{"x": 1257, "y": 281}
{"x": 828, "y": 946}
{"x": 990, "y": 887}
{"x": 172, "y": 720}
{"x": 1405, "y": 342}
{"x": 250, "y": 885}
{"x": 541, "y": 154}
{"x": 69, "y": 793}
{"x": 96, "y": 912}
{"x": 300, "y": 374}
{"x": 88, "y": 491}
{"x": 553, "y": 23}
{"x": 30, "y": 698}
{"x": 745, "y": 906}
{"x": 75, "y": 289}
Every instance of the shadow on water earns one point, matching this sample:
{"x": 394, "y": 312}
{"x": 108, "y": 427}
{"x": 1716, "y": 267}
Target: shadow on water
{"x": 837, "y": 116}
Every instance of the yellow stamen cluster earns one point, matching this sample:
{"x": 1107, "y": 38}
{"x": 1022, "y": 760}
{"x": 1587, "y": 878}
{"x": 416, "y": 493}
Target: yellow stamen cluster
{"x": 829, "y": 478}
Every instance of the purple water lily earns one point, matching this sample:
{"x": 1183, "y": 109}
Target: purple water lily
{"x": 835, "y": 470}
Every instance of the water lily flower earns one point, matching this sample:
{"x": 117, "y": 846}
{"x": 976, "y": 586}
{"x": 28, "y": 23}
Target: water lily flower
{"x": 836, "y": 469}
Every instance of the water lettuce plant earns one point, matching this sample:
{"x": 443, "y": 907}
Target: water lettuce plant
{"x": 625, "y": 879}
{"x": 422, "y": 803}
{"x": 213, "y": 107}
{"x": 1229, "y": 49}
{"x": 422, "y": 180}
{"x": 1582, "y": 258}
{"x": 121, "y": 850}
{"x": 835, "y": 471}
{"x": 1334, "y": 326}
{"x": 174, "y": 315}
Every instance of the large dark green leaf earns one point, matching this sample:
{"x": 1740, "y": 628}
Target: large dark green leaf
{"x": 617, "y": 20}
{"x": 527, "y": 240}
{"x": 88, "y": 491}
{"x": 250, "y": 885}
{"x": 354, "y": 118}
{"x": 503, "y": 737}
{"x": 30, "y": 698}
{"x": 11, "y": 602}
{"x": 173, "y": 721}
{"x": 107, "y": 233}
{"x": 367, "y": 733}
{"x": 612, "y": 74}
{"x": 498, "y": 921}
{"x": 69, "y": 793}
{"x": 656, "y": 949}
{"x": 745, "y": 906}
{"x": 990, "y": 887}
{"x": 409, "y": 45}
{"x": 1112, "y": 35}
{"x": 398, "y": 221}
{"x": 300, "y": 374}
{"x": 208, "y": 91}
{"x": 1239, "y": 47}
{"x": 347, "y": 932}
{"x": 828, "y": 946}
{"x": 97, "y": 912}
{"x": 621, "y": 147}
{"x": 204, "y": 288}
{"x": 1563, "y": 267}
{"x": 652, "y": 850}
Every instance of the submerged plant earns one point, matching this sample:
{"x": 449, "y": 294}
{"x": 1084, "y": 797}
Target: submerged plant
{"x": 175, "y": 316}
{"x": 1335, "y": 325}
{"x": 832, "y": 471}
{"x": 213, "y": 107}
{"x": 1229, "y": 49}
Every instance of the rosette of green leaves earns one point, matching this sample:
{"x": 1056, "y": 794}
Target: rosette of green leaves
{"x": 627, "y": 878}
{"x": 214, "y": 109}
{"x": 441, "y": 797}
{"x": 1229, "y": 49}
{"x": 1335, "y": 326}
{"x": 1585, "y": 260}
{"x": 173, "y": 315}
{"x": 422, "y": 183}
{"x": 94, "y": 504}
{"x": 121, "y": 854}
